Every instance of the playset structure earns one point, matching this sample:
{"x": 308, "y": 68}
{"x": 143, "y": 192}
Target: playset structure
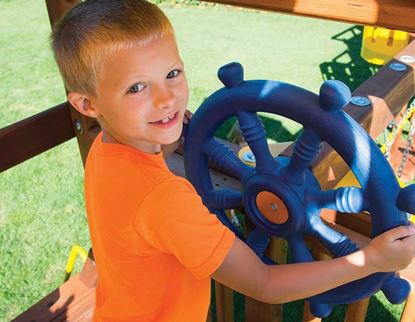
{"x": 374, "y": 105}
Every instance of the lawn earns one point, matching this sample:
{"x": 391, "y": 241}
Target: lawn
{"x": 42, "y": 207}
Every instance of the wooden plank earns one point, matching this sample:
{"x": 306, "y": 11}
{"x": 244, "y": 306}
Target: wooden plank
{"x": 85, "y": 128}
{"x": 73, "y": 301}
{"x": 219, "y": 180}
{"x": 393, "y": 14}
{"x": 27, "y": 138}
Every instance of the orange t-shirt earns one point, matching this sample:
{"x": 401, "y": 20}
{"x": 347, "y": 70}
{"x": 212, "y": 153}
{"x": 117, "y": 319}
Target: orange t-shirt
{"x": 155, "y": 244}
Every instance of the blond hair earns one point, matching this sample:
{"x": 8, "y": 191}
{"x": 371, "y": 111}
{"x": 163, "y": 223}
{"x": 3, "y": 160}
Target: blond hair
{"x": 92, "y": 30}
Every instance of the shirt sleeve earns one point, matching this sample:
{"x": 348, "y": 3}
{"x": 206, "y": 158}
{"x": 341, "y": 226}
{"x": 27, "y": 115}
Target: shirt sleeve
{"x": 173, "y": 219}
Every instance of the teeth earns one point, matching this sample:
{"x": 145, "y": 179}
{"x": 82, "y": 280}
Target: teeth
{"x": 166, "y": 119}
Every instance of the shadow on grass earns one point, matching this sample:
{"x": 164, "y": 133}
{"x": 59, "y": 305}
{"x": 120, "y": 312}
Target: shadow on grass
{"x": 349, "y": 67}
{"x": 275, "y": 129}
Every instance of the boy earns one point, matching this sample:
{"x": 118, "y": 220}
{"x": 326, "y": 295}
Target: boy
{"x": 156, "y": 246}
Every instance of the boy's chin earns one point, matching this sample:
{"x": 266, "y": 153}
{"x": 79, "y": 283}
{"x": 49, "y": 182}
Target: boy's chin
{"x": 171, "y": 139}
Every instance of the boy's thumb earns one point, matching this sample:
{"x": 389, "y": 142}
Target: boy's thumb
{"x": 401, "y": 232}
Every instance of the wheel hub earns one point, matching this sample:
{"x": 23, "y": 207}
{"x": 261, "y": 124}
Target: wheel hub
{"x": 272, "y": 207}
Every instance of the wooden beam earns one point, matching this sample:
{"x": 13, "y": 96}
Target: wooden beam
{"x": 27, "y": 138}
{"x": 393, "y": 14}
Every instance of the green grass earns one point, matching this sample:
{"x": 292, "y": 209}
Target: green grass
{"x": 42, "y": 207}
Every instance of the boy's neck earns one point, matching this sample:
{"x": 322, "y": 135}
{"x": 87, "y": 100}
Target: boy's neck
{"x": 151, "y": 149}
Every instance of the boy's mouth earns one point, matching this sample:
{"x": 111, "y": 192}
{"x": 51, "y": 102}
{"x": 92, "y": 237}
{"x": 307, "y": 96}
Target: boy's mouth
{"x": 167, "y": 120}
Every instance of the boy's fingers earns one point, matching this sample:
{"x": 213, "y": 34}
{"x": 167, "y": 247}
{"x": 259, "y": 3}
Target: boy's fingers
{"x": 188, "y": 114}
{"x": 401, "y": 232}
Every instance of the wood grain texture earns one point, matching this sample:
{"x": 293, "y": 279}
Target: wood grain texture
{"x": 393, "y": 14}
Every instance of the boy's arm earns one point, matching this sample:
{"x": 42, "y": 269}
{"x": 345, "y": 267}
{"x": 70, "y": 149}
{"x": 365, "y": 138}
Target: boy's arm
{"x": 244, "y": 272}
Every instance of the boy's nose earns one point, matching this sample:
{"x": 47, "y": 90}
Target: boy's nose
{"x": 163, "y": 98}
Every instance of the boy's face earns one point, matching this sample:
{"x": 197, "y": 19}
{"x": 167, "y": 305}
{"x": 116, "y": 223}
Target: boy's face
{"x": 142, "y": 95}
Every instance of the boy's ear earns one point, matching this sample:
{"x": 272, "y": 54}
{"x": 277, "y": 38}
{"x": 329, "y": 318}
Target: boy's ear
{"x": 82, "y": 104}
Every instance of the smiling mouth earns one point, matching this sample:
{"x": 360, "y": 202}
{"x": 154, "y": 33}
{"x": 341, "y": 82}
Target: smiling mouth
{"x": 166, "y": 120}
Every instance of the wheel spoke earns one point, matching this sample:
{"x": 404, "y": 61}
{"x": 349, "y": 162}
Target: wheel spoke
{"x": 222, "y": 158}
{"x": 253, "y": 131}
{"x": 223, "y": 199}
{"x": 258, "y": 240}
{"x": 337, "y": 243}
{"x": 225, "y": 220}
{"x": 306, "y": 148}
{"x": 345, "y": 199}
{"x": 299, "y": 251}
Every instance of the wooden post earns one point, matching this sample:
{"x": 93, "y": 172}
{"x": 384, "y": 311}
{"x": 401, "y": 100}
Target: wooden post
{"x": 209, "y": 317}
{"x": 356, "y": 312}
{"x": 85, "y": 128}
{"x": 408, "y": 314}
{"x": 224, "y": 303}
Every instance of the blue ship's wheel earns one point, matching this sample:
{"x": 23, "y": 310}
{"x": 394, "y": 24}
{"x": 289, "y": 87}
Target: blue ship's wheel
{"x": 296, "y": 197}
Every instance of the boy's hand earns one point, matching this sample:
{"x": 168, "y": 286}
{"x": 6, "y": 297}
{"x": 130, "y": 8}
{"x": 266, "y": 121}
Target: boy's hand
{"x": 170, "y": 148}
{"x": 393, "y": 250}
{"x": 187, "y": 117}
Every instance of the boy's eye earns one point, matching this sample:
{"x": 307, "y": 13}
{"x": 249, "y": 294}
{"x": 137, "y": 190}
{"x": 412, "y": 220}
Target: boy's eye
{"x": 136, "y": 88}
{"x": 174, "y": 73}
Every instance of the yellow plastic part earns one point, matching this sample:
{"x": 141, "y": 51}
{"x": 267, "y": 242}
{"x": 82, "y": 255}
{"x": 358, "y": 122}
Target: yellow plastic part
{"x": 412, "y": 216}
{"x": 274, "y": 148}
{"x": 380, "y": 45}
{"x": 349, "y": 180}
{"x": 76, "y": 251}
